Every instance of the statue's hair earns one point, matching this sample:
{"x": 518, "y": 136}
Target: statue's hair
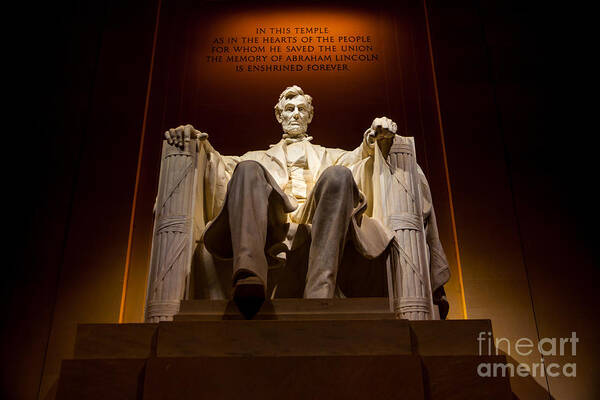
{"x": 289, "y": 93}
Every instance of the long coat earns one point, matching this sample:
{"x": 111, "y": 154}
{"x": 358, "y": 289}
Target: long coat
{"x": 368, "y": 231}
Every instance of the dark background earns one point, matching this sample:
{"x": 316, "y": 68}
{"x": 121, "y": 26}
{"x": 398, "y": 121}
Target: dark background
{"x": 514, "y": 87}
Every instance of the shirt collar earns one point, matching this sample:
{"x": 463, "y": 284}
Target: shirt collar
{"x": 289, "y": 140}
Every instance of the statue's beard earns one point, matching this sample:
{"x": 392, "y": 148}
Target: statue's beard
{"x": 294, "y": 131}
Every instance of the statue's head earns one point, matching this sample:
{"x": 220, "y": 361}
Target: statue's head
{"x": 294, "y": 111}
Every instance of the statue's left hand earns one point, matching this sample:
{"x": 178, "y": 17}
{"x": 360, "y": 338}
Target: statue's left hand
{"x": 382, "y": 131}
{"x": 383, "y": 128}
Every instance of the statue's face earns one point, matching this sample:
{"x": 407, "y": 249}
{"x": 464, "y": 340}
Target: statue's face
{"x": 295, "y": 116}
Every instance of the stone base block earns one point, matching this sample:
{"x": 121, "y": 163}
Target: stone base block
{"x": 296, "y": 349}
{"x": 449, "y": 338}
{"x": 290, "y": 378}
{"x": 114, "y": 379}
{"x": 457, "y": 378}
{"x": 283, "y": 338}
{"x": 115, "y": 340}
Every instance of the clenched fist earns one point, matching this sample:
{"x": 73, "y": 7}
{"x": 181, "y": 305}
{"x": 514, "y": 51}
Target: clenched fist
{"x": 183, "y": 134}
{"x": 383, "y": 131}
{"x": 383, "y": 128}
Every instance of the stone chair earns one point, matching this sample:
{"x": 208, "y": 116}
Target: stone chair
{"x": 181, "y": 268}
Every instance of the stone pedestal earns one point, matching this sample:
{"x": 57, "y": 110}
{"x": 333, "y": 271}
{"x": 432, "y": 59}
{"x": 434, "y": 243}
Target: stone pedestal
{"x": 296, "y": 349}
{"x": 289, "y": 377}
{"x": 289, "y": 309}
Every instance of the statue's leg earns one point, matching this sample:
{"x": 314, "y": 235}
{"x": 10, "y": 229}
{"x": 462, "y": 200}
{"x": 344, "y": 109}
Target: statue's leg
{"x": 255, "y": 213}
{"x": 291, "y": 277}
{"x": 335, "y": 195}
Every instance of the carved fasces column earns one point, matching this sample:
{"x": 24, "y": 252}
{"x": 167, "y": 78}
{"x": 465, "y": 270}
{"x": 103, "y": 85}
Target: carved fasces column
{"x": 412, "y": 286}
{"x": 172, "y": 241}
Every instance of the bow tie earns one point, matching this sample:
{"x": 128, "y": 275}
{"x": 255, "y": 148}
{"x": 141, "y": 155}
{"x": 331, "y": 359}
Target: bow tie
{"x": 290, "y": 140}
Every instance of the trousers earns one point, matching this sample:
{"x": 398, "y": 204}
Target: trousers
{"x": 257, "y": 220}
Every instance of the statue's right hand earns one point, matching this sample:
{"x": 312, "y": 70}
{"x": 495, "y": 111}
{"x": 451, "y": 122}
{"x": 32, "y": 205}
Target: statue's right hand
{"x": 183, "y": 134}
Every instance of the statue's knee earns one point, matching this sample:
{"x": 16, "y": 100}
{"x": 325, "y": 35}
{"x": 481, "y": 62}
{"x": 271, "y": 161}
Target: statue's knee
{"x": 248, "y": 167}
{"x": 247, "y": 173}
{"x": 338, "y": 174}
{"x": 334, "y": 181}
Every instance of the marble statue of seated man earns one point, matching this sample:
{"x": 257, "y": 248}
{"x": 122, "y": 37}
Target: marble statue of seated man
{"x": 262, "y": 199}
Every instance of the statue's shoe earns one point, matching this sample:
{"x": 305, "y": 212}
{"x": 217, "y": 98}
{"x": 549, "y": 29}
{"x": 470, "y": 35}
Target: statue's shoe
{"x": 249, "y": 295}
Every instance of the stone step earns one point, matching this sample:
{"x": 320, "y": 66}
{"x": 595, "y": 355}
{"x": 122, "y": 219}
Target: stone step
{"x": 293, "y": 358}
{"x": 290, "y": 378}
{"x": 283, "y": 338}
{"x": 450, "y": 338}
{"x": 289, "y": 309}
{"x": 454, "y": 337}
{"x": 283, "y": 377}
{"x": 458, "y": 378}
{"x": 101, "y": 379}
{"x": 115, "y": 341}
